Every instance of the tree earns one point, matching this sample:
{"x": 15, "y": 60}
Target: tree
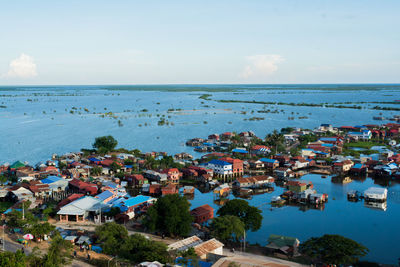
{"x": 189, "y": 257}
{"x": 170, "y": 215}
{"x": 14, "y": 219}
{"x": 62, "y": 165}
{"x": 137, "y": 248}
{"x": 3, "y": 179}
{"x": 105, "y": 143}
{"x": 97, "y": 170}
{"x": 17, "y": 259}
{"x": 115, "y": 167}
{"x": 110, "y": 236}
{"x": 59, "y": 253}
{"x": 41, "y": 229}
{"x": 333, "y": 249}
{"x": 249, "y": 215}
{"x": 227, "y": 228}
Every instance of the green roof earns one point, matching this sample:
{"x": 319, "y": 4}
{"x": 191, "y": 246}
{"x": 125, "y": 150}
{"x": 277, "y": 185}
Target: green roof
{"x": 282, "y": 241}
{"x": 17, "y": 164}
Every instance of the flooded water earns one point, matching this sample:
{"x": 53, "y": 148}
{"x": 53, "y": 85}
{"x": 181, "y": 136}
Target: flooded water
{"x": 38, "y": 121}
{"x": 373, "y": 227}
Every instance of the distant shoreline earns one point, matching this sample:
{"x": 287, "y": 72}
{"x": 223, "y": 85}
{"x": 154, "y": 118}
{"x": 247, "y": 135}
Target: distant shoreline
{"x": 210, "y": 87}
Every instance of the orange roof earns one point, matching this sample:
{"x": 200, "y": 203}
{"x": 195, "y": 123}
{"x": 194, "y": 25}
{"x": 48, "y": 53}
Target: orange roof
{"x": 204, "y": 209}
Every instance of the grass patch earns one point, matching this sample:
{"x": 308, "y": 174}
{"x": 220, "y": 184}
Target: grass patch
{"x": 5, "y": 206}
{"x": 363, "y": 144}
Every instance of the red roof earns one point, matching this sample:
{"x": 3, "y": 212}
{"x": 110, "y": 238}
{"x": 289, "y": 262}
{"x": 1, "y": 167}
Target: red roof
{"x": 231, "y": 160}
{"x": 200, "y": 211}
{"x": 108, "y": 162}
{"x": 348, "y": 127}
{"x": 88, "y": 187}
{"x": 154, "y": 188}
{"x": 170, "y": 170}
{"x": 295, "y": 183}
{"x": 138, "y": 177}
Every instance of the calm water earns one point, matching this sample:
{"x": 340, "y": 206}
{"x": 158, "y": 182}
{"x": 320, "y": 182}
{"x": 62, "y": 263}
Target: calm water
{"x": 376, "y": 229}
{"x": 37, "y": 121}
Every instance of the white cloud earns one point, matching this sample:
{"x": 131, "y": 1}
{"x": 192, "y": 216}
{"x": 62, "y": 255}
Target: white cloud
{"x": 22, "y": 67}
{"x": 261, "y": 65}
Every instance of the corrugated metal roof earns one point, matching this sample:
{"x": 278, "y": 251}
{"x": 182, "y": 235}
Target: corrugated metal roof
{"x": 104, "y": 195}
{"x": 207, "y": 247}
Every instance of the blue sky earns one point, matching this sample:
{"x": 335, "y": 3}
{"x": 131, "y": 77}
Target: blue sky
{"x": 157, "y": 42}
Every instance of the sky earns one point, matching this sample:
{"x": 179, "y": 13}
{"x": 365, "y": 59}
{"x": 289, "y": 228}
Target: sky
{"x": 199, "y": 42}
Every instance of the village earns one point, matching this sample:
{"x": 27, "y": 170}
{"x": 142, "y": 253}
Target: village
{"x": 79, "y": 191}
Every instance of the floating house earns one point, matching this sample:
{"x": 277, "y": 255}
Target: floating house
{"x": 375, "y": 194}
{"x": 283, "y": 244}
{"x": 254, "y": 182}
{"x": 202, "y": 214}
{"x": 221, "y": 168}
{"x": 222, "y": 190}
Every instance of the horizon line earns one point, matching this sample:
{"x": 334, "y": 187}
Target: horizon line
{"x": 196, "y": 84}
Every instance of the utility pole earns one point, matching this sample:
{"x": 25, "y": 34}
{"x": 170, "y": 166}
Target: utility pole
{"x": 244, "y": 241}
{"x": 23, "y": 211}
{"x": 4, "y": 225}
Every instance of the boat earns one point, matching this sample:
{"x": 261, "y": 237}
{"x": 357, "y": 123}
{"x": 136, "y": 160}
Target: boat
{"x": 188, "y": 190}
{"x": 353, "y": 195}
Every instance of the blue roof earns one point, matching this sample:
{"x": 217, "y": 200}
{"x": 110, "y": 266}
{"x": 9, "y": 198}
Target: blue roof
{"x": 110, "y": 184}
{"x": 328, "y": 139}
{"x": 218, "y": 162}
{"x": 51, "y": 179}
{"x": 209, "y": 144}
{"x": 94, "y": 159}
{"x": 320, "y": 152}
{"x": 237, "y": 150}
{"x": 129, "y": 166}
{"x": 355, "y": 133}
{"x": 104, "y": 195}
{"x": 10, "y": 210}
{"x": 133, "y": 201}
{"x": 268, "y": 160}
{"x": 357, "y": 166}
{"x": 327, "y": 145}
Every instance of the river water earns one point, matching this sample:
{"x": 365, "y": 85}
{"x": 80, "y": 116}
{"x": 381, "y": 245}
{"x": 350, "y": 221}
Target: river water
{"x": 38, "y": 121}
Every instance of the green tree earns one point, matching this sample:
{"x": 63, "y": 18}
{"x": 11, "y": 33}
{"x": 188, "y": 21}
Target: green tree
{"x": 3, "y": 179}
{"x": 170, "y": 215}
{"x": 137, "y": 248}
{"x": 59, "y": 253}
{"x": 110, "y": 235}
{"x": 17, "y": 259}
{"x": 14, "y": 219}
{"x": 106, "y": 143}
{"x": 128, "y": 162}
{"x": 115, "y": 167}
{"x": 41, "y": 229}
{"x": 97, "y": 170}
{"x": 249, "y": 215}
{"x": 62, "y": 165}
{"x": 188, "y": 257}
{"x": 333, "y": 249}
{"x": 227, "y": 228}
{"x": 274, "y": 138}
